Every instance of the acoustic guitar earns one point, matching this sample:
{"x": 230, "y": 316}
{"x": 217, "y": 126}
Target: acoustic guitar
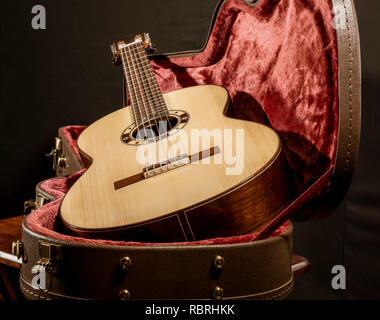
{"x": 173, "y": 166}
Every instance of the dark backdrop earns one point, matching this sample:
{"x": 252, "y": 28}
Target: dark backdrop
{"x": 63, "y": 75}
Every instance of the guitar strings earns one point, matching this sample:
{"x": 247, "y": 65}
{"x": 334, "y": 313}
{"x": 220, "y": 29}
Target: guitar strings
{"x": 155, "y": 90}
{"x": 151, "y": 84}
{"x": 132, "y": 91}
{"x": 138, "y": 87}
{"x": 135, "y": 88}
{"x": 147, "y": 89}
{"x": 146, "y": 68}
{"x": 143, "y": 93}
{"x": 129, "y": 83}
{"x": 140, "y": 65}
{"x": 144, "y": 87}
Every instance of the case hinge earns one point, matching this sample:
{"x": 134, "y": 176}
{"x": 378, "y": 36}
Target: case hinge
{"x": 47, "y": 265}
{"x": 59, "y": 160}
{"x": 40, "y": 201}
{"x": 50, "y": 257}
{"x": 18, "y": 249}
{"x": 31, "y": 205}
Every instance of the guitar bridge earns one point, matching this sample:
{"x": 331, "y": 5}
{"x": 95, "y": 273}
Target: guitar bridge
{"x": 165, "y": 166}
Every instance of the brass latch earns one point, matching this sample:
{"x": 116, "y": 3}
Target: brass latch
{"x": 31, "y": 205}
{"x": 59, "y": 160}
{"x": 40, "y": 201}
{"x": 50, "y": 257}
{"x": 18, "y": 249}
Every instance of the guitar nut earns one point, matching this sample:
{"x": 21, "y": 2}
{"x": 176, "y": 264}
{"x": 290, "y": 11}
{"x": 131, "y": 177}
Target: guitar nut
{"x": 125, "y": 263}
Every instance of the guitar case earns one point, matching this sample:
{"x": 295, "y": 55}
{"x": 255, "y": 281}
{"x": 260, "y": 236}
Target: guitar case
{"x": 290, "y": 64}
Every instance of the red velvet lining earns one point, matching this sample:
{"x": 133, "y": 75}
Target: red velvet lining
{"x": 72, "y": 133}
{"x": 278, "y": 61}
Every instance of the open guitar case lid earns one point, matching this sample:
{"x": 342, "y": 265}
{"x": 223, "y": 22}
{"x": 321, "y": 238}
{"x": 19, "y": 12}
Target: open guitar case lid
{"x": 293, "y": 65}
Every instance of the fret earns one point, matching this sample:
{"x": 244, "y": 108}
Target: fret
{"x": 131, "y": 89}
{"x": 137, "y": 113}
{"x": 151, "y": 100}
{"x": 151, "y": 97}
{"x": 154, "y": 89}
{"x": 150, "y": 80}
{"x": 146, "y": 98}
{"x": 143, "y": 105}
{"x": 131, "y": 95}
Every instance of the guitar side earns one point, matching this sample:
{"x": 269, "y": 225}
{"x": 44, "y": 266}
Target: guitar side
{"x": 196, "y": 201}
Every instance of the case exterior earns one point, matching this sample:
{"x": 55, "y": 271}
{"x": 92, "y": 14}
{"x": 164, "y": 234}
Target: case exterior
{"x": 258, "y": 270}
{"x": 254, "y": 270}
{"x": 66, "y": 161}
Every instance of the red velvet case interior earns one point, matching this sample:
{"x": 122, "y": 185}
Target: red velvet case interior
{"x": 279, "y": 62}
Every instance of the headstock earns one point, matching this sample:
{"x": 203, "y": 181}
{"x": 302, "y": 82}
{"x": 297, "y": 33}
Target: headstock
{"x": 144, "y": 38}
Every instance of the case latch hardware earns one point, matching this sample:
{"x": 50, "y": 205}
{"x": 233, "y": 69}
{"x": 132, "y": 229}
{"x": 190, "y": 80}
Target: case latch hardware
{"x": 18, "y": 249}
{"x": 31, "y": 205}
{"x": 59, "y": 160}
{"x": 218, "y": 293}
{"x": 124, "y": 294}
{"x": 50, "y": 257}
{"x": 40, "y": 201}
{"x": 125, "y": 263}
{"x": 219, "y": 262}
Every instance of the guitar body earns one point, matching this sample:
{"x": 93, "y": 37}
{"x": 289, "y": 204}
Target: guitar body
{"x": 201, "y": 199}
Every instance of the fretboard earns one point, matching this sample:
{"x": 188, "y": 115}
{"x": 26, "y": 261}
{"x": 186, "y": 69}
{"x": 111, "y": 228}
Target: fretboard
{"x": 145, "y": 95}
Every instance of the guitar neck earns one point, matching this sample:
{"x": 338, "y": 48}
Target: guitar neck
{"x": 146, "y": 99}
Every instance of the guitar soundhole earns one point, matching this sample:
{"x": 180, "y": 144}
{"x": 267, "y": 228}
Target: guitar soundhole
{"x": 154, "y": 129}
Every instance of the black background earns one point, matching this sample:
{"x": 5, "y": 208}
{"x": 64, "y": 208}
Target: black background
{"x": 63, "y": 75}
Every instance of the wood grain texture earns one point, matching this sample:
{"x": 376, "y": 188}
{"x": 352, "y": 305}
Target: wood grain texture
{"x": 93, "y": 207}
{"x": 10, "y": 230}
{"x": 246, "y": 209}
{"x": 139, "y": 177}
